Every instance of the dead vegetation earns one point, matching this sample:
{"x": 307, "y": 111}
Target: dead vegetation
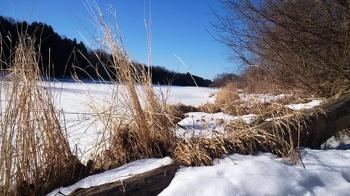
{"x": 239, "y": 138}
{"x": 145, "y": 132}
{"x": 299, "y": 44}
{"x": 35, "y": 154}
{"x": 227, "y": 96}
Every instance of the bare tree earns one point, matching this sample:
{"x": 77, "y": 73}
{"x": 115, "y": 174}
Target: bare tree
{"x": 298, "y": 43}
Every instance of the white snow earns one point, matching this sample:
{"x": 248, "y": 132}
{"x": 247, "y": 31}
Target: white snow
{"x": 304, "y": 106}
{"x": 206, "y": 124}
{"x": 339, "y": 142}
{"x": 325, "y": 173}
{"x": 260, "y": 98}
{"x": 118, "y": 174}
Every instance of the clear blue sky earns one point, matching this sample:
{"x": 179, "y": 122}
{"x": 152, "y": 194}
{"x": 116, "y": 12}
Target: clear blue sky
{"x": 178, "y": 27}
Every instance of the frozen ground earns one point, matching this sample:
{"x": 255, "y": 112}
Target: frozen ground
{"x": 326, "y": 172}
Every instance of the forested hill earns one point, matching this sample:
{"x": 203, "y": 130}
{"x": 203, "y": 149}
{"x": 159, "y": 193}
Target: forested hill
{"x": 61, "y": 57}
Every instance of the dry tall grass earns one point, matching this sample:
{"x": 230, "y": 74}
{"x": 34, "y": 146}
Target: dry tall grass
{"x": 239, "y": 138}
{"x": 35, "y": 155}
{"x": 227, "y": 95}
{"x": 147, "y": 129}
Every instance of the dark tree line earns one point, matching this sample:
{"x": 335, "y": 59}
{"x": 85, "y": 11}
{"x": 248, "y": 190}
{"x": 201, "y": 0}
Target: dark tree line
{"x": 66, "y": 58}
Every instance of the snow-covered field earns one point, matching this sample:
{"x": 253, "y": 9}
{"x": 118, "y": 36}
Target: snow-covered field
{"x": 77, "y": 102}
{"x": 326, "y": 172}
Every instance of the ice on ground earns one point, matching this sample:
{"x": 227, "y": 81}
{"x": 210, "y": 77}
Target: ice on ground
{"x": 207, "y": 124}
{"x": 326, "y": 173}
{"x": 118, "y": 174}
{"x": 305, "y": 106}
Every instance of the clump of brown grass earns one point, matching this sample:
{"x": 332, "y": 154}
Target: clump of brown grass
{"x": 209, "y": 108}
{"x": 145, "y": 132}
{"x": 35, "y": 154}
{"x": 226, "y": 96}
{"x": 239, "y": 138}
{"x": 266, "y": 110}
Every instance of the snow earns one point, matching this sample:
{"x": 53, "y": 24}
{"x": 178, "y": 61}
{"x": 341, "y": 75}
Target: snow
{"x": 260, "y": 98}
{"x": 325, "y": 173}
{"x": 338, "y": 142}
{"x": 194, "y": 96}
{"x": 206, "y": 124}
{"x": 304, "y": 106}
{"x": 77, "y": 100}
{"x": 118, "y": 174}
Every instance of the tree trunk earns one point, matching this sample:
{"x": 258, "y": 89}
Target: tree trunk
{"x": 316, "y": 126}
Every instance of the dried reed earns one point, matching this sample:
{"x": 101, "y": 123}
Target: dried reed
{"x": 147, "y": 130}
{"x": 35, "y": 155}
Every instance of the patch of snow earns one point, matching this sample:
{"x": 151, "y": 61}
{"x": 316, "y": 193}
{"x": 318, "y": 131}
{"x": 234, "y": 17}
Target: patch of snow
{"x": 260, "y": 98}
{"x": 120, "y": 173}
{"x": 207, "y": 124}
{"x": 341, "y": 142}
{"x": 326, "y": 173}
{"x": 304, "y": 106}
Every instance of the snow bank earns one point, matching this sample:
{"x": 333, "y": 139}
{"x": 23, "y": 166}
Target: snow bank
{"x": 207, "y": 124}
{"x": 304, "y": 106}
{"x": 326, "y": 173}
{"x": 121, "y": 173}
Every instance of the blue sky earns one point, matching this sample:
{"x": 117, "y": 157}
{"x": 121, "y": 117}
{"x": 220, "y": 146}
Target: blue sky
{"x": 179, "y": 27}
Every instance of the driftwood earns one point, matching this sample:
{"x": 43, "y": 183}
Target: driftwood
{"x": 148, "y": 183}
{"x": 315, "y": 126}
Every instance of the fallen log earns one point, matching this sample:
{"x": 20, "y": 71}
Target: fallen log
{"x": 148, "y": 183}
{"x": 315, "y": 126}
